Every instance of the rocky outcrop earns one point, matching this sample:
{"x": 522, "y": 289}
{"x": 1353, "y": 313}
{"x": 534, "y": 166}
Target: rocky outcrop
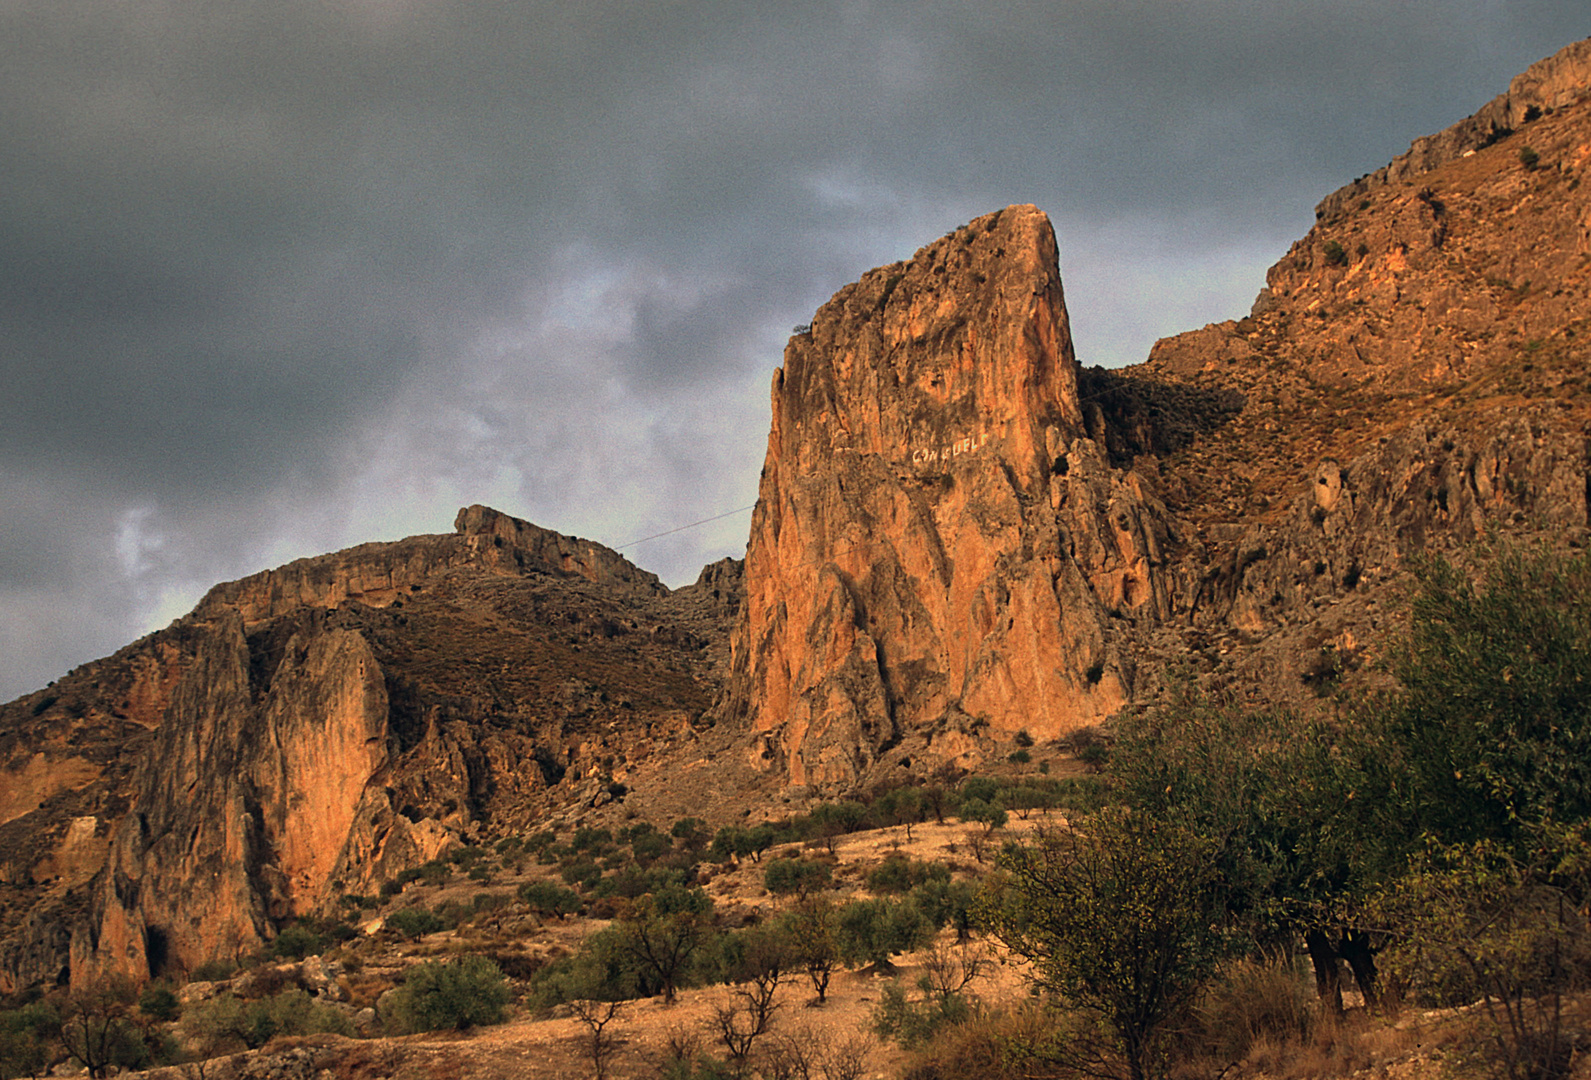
{"x": 960, "y": 535}
{"x": 293, "y": 742}
{"x": 483, "y": 539}
{"x": 936, "y": 543}
{"x": 1561, "y": 79}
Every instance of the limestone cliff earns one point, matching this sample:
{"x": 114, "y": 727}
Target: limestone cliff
{"x": 319, "y": 728}
{"x": 913, "y": 563}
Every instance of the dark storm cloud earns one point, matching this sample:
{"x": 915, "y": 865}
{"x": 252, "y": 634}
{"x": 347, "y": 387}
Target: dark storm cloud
{"x": 280, "y": 278}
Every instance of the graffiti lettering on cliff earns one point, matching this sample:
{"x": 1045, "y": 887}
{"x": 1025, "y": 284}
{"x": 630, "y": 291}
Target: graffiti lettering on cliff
{"x": 931, "y": 455}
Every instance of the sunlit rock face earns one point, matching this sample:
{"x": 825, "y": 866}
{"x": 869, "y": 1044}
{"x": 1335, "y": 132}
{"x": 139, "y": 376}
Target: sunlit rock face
{"x": 935, "y": 531}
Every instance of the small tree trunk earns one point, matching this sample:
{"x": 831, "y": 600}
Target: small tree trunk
{"x": 1328, "y": 977}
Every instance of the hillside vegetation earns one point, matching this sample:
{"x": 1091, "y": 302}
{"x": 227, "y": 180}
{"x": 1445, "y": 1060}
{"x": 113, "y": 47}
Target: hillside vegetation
{"x": 1199, "y": 889}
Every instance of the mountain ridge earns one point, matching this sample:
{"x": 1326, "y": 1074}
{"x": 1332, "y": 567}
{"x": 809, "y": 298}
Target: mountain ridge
{"x": 963, "y": 538}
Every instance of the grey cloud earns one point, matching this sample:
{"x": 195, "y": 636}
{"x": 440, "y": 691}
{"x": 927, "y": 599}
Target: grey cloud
{"x": 280, "y": 278}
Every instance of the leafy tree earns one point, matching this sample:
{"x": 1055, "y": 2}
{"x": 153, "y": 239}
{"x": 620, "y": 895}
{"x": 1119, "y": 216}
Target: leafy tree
{"x": 546, "y": 898}
{"x": 812, "y": 927}
{"x": 988, "y": 814}
{"x": 1120, "y": 917}
{"x": 799, "y": 877}
{"x": 1292, "y": 809}
{"x": 738, "y": 843}
{"x": 1493, "y": 727}
{"x": 943, "y": 902}
{"x": 902, "y": 806}
{"x": 900, "y": 873}
{"x": 414, "y": 923}
{"x": 871, "y": 931}
{"x": 757, "y": 960}
{"x": 96, "y": 1028}
{"x": 456, "y": 994}
{"x": 666, "y": 932}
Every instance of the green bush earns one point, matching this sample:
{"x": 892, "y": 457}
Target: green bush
{"x": 1334, "y": 253}
{"x": 26, "y": 1038}
{"x": 912, "y": 1023}
{"x": 871, "y": 931}
{"x": 945, "y": 902}
{"x": 582, "y": 871}
{"x": 228, "y": 1023}
{"x": 457, "y": 994}
{"x": 414, "y": 923}
{"x": 296, "y": 942}
{"x": 901, "y": 874}
{"x": 1121, "y": 918}
{"x": 798, "y": 877}
{"x": 545, "y": 898}
{"x": 158, "y": 1002}
{"x": 1528, "y": 157}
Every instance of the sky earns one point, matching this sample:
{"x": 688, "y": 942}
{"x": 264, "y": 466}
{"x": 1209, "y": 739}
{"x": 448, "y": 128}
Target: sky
{"x": 276, "y": 279}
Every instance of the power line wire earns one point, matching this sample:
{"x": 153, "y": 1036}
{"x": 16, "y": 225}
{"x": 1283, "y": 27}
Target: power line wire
{"x": 682, "y": 528}
{"x": 743, "y": 509}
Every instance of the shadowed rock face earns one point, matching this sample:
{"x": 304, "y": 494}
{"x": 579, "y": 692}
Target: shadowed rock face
{"x": 913, "y": 555}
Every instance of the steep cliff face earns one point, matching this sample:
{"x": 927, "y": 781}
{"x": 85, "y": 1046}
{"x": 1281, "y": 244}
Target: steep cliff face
{"x": 317, "y": 729}
{"x": 912, "y": 566}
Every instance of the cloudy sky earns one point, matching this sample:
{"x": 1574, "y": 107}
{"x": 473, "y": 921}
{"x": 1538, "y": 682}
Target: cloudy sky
{"x": 280, "y": 278}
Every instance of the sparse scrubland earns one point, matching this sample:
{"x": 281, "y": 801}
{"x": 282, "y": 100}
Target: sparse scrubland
{"x": 1397, "y": 883}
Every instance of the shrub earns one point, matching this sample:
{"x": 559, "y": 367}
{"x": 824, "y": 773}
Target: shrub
{"x": 227, "y": 1022}
{"x": 1251, "y": 1004}
{"x": 414, "y": 923}
{"x": 901, "y": 874}
{"x": 159, "y": 1003}
{"x": 871, "y": 931}
{"x": 1119, "y": 917}
{"x": 213, "y": 971}
{"x": 1334, "y": 254}
{"x": 1476, "y": 925}
{"x": 912, "y": 1023}
{"x": 581, "y": 871}
{"x": 545, "y": 898}
{"x": 692, "y": 833}
{"x": 25, "y": 1038}
{"x": 1528, "y": 157}
{"x": 458, "y": 994}
{"x": 785, "y": 877}
{"x": 296, "y": 942}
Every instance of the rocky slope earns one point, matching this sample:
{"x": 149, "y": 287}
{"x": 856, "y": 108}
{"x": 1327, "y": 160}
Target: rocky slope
{"x": 961, "y": 536}
{"x": 318, "y": 728}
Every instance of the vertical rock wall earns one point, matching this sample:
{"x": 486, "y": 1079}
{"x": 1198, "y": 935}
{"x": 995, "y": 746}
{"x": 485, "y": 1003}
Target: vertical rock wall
{"x": 911, "y": 562}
